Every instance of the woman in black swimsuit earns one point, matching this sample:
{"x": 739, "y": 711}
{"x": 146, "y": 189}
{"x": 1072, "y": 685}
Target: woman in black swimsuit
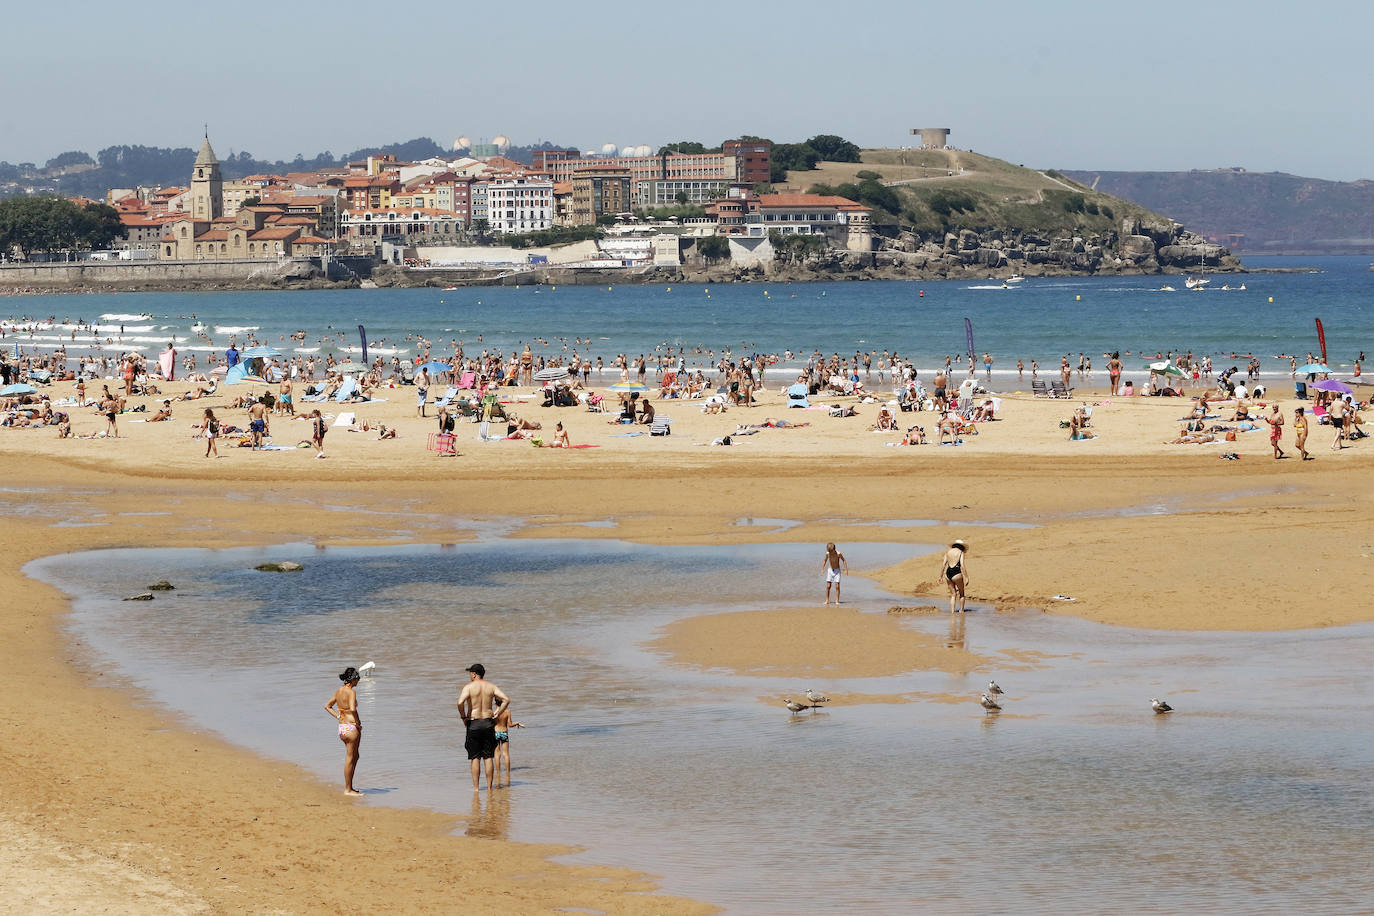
{"x": 955, "y": 572}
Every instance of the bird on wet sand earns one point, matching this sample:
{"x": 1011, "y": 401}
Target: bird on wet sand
{"x": 1159, "y": 706}
{"x": 793, "y": 705}
{"x": 816, "y": 698}
{"x": 989, "y": 703}
{"x": 994, "y": 689}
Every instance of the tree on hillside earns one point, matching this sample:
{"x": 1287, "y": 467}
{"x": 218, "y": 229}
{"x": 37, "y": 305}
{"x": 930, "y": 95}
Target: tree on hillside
{"x": 713, "y": 247}
{"x": 47, "y": 223}
{"x": 791, "y": 157}
{"x": 63, "y": 160}
{"x": 834, "y": 149}
{"x": 687, "y": 147}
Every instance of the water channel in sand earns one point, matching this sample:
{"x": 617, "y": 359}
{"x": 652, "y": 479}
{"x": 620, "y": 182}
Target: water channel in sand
{"x": 1252, "y": 796}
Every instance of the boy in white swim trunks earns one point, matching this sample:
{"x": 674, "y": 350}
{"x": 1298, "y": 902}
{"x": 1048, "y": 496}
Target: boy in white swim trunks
{"x": 833, "y": 564}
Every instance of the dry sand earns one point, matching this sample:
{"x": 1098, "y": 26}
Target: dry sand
{"x": 114, "y": 805}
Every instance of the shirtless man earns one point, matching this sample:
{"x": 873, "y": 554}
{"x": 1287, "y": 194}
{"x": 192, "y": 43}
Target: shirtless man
{"x": 478, "y": 704}
{"x": 833, "y": 564}
{"x": 1336, "y": 414}
{"x": 941, "y": 382}
{"x": 284, "y": 396}
{"x": 257, "y": 423}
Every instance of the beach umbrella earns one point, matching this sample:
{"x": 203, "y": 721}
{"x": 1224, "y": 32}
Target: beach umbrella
{"x": 1313, "y": 368}
{"x": 18, "y": 388}
{"x": 628, "y": 387}
{"x": 1326, "y": 384}
{"x": 551, "y": 374}
{"x": 260, "y": 353}
{"x": 435, "y": 367}
{"x": 346, "y": 367}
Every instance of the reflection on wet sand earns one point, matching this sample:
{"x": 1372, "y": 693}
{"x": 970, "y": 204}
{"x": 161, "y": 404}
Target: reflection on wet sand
{"x": 491, "y": 814}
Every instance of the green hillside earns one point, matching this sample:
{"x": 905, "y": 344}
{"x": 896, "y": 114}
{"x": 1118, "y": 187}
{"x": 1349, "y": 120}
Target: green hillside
{"x": 937, "y": 191}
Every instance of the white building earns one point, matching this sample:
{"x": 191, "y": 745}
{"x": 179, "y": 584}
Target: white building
{"x": 517, "y": 205}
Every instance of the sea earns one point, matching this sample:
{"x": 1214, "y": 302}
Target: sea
{"x": 1269, "y": 315}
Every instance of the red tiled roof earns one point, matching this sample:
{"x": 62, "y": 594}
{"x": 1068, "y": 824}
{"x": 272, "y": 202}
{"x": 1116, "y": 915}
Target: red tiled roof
{"x": 214, "y": 235}
{"x": 285, "y": 232}
{"x": 311, "y": 240}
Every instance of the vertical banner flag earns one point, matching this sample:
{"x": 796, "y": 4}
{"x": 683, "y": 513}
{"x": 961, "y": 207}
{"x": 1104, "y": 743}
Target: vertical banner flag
{"x": 362, "y": 334}
{"x": 968, "y": 329}
{"x": 1321, "y": 339}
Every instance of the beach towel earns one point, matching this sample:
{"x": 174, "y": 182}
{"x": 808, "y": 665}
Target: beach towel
{"x": 467, "y": 380}
{"x": 346, "y": 390}
{"x": 344, "y": 419}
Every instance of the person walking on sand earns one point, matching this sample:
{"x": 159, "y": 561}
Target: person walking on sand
{"x": 955, "y": 572}
{"x": 834, "y": 564}
{"x": 504, "y": 724}
{"x": 317, "y": 431}
{"x": 1336, "y": 414}
{"x": 1300, "y": 433}
{"x": 110, "y": 407}
{"x": 211, "y": 433}
{"x": 345, "y": 700}
{"x": 477, "y": 706}
{"x": 1275, "y": 421}
{"x": 421, "y": 391}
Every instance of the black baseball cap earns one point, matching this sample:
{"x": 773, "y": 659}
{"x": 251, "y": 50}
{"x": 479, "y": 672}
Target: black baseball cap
{"x": 477, "y": 669}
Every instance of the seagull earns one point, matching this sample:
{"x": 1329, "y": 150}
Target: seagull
{"x": 994, "y": 689}
{"x": 816, "y": 698}
{"x": 1160, "y": 706}
{"x": 989, "y": 703}
{"x": 794, "y": 706}
{"x": 366, "y": 669}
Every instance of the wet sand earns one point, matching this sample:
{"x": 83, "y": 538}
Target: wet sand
{"x": 128, "y": 810}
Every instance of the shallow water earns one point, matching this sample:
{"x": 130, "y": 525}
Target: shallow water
{"x": 1253, "y": 796}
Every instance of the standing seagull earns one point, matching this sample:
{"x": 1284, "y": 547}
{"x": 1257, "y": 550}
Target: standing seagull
{"x": 989, "y": 703}
{"x": 994, "y": 689}
{"x": 816, "y": 698}
{"x": 1159, "y": 706}
{"x": 794, "y": 706}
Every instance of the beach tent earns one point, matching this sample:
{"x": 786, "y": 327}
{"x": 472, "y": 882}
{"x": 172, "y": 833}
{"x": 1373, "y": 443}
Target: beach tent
{"x": 240, "y": 372}
{"x": 797, "y": 395}
{"x": 552, "y": 374}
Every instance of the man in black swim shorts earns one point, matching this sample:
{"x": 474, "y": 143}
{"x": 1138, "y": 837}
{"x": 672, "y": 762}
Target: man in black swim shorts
{"x": 478, "y": 705}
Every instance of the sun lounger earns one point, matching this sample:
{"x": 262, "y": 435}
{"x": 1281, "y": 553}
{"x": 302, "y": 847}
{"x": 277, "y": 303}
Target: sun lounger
{"x": 467, "y": 381}
{"x": 448, "y": 396}
{"x": 1060, "y": 390}
{"x": 346, "y": 390}
{"x": 1040, "y": 389}
{"x": 797, "y": 396}
{"x": 662, "y": 426}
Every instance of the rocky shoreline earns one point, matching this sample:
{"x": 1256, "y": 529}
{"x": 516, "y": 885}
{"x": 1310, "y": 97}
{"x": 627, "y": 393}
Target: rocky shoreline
{"x": 1138, "y": 249}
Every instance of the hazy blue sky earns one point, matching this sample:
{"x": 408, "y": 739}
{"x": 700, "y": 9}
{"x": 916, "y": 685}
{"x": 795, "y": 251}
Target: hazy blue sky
{"x": 1099, "y": 85}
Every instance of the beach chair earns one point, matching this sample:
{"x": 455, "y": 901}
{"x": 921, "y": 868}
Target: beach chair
{"x": 447, "y": 398}
{"x": 965, "y": 403}
{"x": 1040, "y": 389}
{"x": 596, "y": 403}
{"x": 467, "y": 381}
{"x": 1060, "y": 390}
{"x": 346, "y": 390}
{"x": 797, "y": 395}
{"x": 1300, "y": 390}
{"x": 662, "y": 426}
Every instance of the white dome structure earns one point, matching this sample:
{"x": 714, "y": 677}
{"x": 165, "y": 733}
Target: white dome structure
{"x": 608, "y": 149}
{"x": 462, "y": 143}
{"x": 628, "y": 151}
{"x": 501, "y": 142}
{"x": 644, "y": 151}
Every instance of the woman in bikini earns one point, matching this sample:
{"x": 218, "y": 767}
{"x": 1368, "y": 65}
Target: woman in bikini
{"x": 345, "y": 699}
{"x": 955, "y": 572}
{"x": 317, "y": 431}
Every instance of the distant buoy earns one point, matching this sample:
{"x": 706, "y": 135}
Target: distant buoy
{"x": 1077, "y": 298}
{"x": 1271, "y": 298}
{"x": 670, "y": 289}
{"x": 555, "y": 288}
{"x": 923, "y": 294}
{"x": 707, "y": 291}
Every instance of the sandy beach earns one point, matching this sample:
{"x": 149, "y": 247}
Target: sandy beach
{"x": 120, "y": 807}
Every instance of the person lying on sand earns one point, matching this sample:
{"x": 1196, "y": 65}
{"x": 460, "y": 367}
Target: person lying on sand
{"x": 1186, "y": 437}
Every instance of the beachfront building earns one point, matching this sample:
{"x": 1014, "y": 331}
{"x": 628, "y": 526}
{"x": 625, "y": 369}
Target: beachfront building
{"x": 670, "y": 192}
{"x": 402, "y": 225}
{"x": 251, "y": 234}
{"x": 598, "y": 192}
{"x": 847, "y": 224}
{"x": 518, "y": 204}
{"x": 370, "y": 192}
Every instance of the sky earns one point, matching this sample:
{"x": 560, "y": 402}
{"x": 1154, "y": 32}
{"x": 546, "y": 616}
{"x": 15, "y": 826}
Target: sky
{"x": 1069, "y": 85}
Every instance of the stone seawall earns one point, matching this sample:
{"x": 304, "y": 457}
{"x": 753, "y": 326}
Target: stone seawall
{"x": 158, "y": 274}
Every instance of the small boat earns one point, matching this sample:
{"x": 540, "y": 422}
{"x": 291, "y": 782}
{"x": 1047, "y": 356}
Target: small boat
{"x": 449, "y": 289}
{"x": 1015, "y": 278}
{"x": 1196, "y": 282}
{"x": 1166, "y": 289}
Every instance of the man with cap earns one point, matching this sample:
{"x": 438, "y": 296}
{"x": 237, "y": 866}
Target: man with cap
{"x": 478, "y": 704}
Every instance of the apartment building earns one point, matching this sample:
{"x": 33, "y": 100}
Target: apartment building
{"x": 517, "y": 204}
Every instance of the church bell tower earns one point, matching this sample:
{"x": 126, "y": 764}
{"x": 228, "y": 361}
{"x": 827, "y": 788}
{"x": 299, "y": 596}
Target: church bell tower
{"x": 207, "y": 187}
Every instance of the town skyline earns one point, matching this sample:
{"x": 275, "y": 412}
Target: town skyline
{"x": 1084, "y": 87}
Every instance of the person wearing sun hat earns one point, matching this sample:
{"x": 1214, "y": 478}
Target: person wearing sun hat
{"x": 954, "y": 570}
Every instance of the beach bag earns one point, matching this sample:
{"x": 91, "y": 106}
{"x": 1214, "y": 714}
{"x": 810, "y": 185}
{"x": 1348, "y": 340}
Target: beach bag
{"x": 1231, "y": 436}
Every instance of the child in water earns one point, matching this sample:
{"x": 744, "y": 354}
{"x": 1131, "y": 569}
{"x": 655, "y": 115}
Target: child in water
{"x": 833, "y": 564}
{"x": 503, "y": 727}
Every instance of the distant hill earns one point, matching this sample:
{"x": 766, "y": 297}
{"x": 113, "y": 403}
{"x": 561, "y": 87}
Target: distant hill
{"x": 75, "y": 173}
{"x": 1254, "y": 212}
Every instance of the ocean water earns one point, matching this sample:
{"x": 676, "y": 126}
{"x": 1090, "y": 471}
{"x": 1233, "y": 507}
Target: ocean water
{"x": 1252, "y": 797}
{"x": 1039, "y": 319}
